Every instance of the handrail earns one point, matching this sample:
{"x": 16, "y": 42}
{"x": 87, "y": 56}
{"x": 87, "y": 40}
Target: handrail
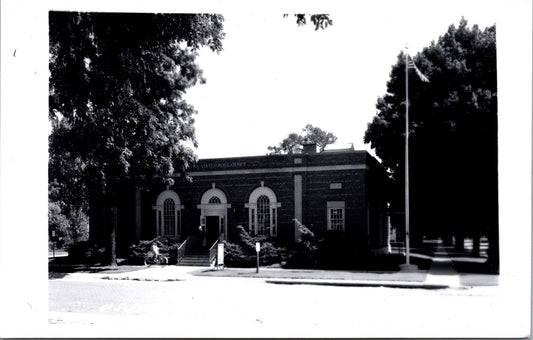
{"x": 213, "y": 251}
{"x": 183, "y": 249}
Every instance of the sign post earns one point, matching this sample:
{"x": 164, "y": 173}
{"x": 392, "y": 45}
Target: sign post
{"x": 257, "y": 249}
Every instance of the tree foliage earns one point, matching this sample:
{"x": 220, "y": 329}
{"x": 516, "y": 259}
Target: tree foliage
{"x": 241, "y": 251}
{"x": 309, "y": 134}
{"x": 116, "y": 90}
{"x": 321, "y": 21}
{"x": 116, "y": 106}
{"x": 70, "y": 224}
{"x": 452, "y": 133}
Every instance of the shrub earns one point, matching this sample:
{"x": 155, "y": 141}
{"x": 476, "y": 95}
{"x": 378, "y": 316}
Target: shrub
{"x": 138, "y": 251}
{"x": 271, "y": 254}
{"x": 86, "y": 253}
{"x": 242, "y": 253}
{"x": 234, "y": 256}
{"x": 305, "y": 253}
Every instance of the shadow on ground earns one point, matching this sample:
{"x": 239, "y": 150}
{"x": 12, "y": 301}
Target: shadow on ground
{"x": 474, "y": 266}
{"x": 60, "y": 267}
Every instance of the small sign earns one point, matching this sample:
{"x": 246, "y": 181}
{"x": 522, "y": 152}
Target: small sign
{"x": 335, "y": 185}
{"x": 257, "y": 247}
{"x": 220, "y": 254}
{"x": 53, "y": 233}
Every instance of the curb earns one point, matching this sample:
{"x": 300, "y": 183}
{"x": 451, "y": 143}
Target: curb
{"x": 127, "y": 278}
{"x": 344, "y": 283}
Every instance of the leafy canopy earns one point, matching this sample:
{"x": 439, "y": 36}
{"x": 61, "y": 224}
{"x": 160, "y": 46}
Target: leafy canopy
{"x": 452, "y": 132}
{"x": 117, "y": 82}
{"x": 310, "y": 134}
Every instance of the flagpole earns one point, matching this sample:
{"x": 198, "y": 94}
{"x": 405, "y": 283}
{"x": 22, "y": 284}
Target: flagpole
{"x": 407, "y": 245}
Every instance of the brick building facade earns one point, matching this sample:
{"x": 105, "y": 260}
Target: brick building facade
{"x": 336, "y": 193}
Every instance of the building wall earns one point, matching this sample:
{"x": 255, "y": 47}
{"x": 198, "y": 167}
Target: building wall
{"x": 336, "y": 176}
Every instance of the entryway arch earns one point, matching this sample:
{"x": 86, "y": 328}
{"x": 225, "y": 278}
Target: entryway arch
{"x": 214, "y": 214}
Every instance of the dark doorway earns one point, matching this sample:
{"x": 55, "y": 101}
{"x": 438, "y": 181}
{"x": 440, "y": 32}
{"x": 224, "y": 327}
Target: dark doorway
{"x": 212, "y": 224}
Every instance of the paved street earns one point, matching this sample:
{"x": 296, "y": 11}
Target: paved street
{"x": 195, "y": 306}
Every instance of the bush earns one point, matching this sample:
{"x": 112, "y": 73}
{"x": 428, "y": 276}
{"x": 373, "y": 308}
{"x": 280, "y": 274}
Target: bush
{"x": 242, "y": 253}
{"x": 86, "y": 253}
{"x": 305, "y": 253}
{"x": 234, "y": 256}
{"x": 138, "y": 251}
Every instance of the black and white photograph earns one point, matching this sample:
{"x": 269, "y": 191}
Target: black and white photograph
{"x": 250, "y": 169}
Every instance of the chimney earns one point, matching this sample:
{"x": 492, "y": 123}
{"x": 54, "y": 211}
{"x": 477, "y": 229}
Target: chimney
{"x": 309, "y": 148}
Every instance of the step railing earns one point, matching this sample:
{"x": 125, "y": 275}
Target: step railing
{"x": 183, "y": 249}
{"x": 213, "y": 253}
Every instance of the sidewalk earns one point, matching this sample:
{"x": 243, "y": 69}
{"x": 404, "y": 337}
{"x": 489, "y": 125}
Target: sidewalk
{"x": 274, "y": 276}
{"x": 442, "y": 269}
{"x": 413, "y": 279}
{"x": 441, "y": 274}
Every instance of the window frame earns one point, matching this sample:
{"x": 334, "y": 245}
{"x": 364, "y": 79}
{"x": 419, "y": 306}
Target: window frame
{"x": 163, "y": 202}
{"x": 333, "y": 206}
{"x": 254, "y": 213}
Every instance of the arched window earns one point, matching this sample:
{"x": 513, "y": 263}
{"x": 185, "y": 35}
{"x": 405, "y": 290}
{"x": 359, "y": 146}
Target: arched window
{"x": 262, "y": 211}
{"x": 214, "y": 200}
{"x": 168, "y": 214}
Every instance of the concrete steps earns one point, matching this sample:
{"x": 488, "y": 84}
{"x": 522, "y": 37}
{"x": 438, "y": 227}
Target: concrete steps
{"x": 197, "y": 255}
{"x": 195, "y": 258}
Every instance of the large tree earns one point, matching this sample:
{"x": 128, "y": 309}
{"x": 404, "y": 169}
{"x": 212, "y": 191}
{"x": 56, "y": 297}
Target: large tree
{"x": 309, "y": 134}
{"x": 117, "y": 82}
{"x": 452, "y": 133}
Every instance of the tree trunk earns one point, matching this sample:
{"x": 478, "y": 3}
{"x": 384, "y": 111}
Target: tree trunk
{"x": 447, "y": 239}
{"x": 112, "y": 244}
{"x": 459, "y": 241}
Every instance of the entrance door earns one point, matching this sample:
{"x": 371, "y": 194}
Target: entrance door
{"x": 212, "y": 224}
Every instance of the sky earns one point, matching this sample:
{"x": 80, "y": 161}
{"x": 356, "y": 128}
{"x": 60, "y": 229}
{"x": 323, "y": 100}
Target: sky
{"x": 273, "y": 77}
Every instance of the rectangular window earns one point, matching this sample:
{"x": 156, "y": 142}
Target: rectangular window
{"x": 263, "y": 216}
{"x": 336, "y": 218}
